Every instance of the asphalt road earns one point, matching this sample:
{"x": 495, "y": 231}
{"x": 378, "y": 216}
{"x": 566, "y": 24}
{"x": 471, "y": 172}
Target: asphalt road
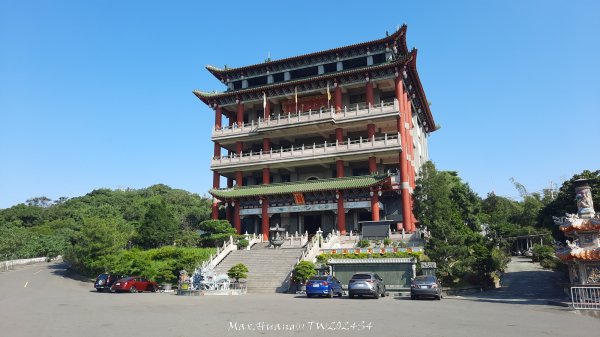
{"x": 39, "y": 300}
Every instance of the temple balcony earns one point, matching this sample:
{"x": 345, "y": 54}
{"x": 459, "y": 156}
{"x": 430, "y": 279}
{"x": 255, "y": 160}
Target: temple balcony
{"x": 314, "y": 153}
{"x": 348, "y": 114}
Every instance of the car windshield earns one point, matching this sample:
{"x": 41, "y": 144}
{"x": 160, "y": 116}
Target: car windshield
{"x": 361, "y": 277}
{"x": 102, "y": 276}
{"x": 319, "y": 278}
{"x": 425, "y": 279}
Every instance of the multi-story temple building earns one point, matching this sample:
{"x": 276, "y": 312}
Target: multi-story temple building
{"x": 323, "y": 140}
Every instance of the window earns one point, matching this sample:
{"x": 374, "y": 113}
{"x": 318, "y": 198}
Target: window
{"x": 355, "y": 63}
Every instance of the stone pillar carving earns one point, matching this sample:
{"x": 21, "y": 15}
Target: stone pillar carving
{"x": 583, "y": 195}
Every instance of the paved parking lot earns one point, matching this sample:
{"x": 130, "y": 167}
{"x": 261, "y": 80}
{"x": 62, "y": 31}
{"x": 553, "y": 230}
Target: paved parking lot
{"x": 39, "y": 300}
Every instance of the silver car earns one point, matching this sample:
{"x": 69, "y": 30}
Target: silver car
{"x": 369, "y": 284}
{"x": 425, "y": 286}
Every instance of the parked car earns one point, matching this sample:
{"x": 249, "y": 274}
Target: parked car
{"x": 324, "y": 286}
{"x": 369, "y": 284}
{"x": 134, "y": 284}
{"x": 425, "y": 286}
{"x": 105, "y": 281}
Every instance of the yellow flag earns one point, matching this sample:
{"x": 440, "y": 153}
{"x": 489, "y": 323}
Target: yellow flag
{"x": 296, "y": 94}
{"x": 328, "y": 93}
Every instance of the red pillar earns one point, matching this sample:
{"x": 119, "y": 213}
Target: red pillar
{"x": 339, "y": 168}
{"x": 339, "y": 135}
{"x": 215, "y": 205}
{"x": 217, "y": 150}
{"x": 372, "y": 165}
{"x": 341, "y": 214}
{"x": 238, "y": 178}
{"x": 240, "y": 114}
{"x": 218, "y": 117}
{"x": 265, "y": 219}
{"x": 369, "y": 93}
{"x": 403, "y": 163}
{"x": 375, "y": 206}
{"x": 338, "y": 98}
{"x": 238, "y": 174}
{"x": 370, "y": 131}
{"x": 266, "y": 175}
{"x": 266, "y": 145}
{"x": 267, "y": 113}
{"x": 411, "y": 149}
{"x": 228, "y": 214}
{"x": 237, "y": 221}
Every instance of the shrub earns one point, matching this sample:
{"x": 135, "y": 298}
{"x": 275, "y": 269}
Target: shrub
{"x": 541, "y": 252}
{"x": 238, "y": 271}
{"x": 303, "y": 271}
{"x": 363, "y": 244}
{"x": 387, "y": 242}
{"x": 242, "y": 243}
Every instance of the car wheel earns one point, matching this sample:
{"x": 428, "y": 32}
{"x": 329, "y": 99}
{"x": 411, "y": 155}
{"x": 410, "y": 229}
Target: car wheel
{"x": 413, "y": 297}
{"x": 133, "y": 290}
{"x": 99, "y": 290}
{"x": 340, "y": 294}
{"x": 439, "y": 297}
{"x": 383, "y": 293}
{"x": 308, "y": 295}
{"x": 350, "y": 295}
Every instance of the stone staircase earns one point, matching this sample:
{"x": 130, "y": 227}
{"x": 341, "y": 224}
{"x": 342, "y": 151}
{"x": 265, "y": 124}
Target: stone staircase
{"x": 267, "y": 268}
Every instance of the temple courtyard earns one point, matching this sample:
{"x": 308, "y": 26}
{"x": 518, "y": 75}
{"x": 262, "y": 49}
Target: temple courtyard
{"x": 40, "y": 300}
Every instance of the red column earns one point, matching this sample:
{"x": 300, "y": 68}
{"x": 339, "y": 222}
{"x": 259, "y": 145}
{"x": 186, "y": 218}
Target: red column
{"x": 411, "y": 149}
{"x": 217, "y": 150}
{"x": 369, "y": 93}
{"x": 267, "y": 113}
{"x": 237, "y": 221}
{"x": 404, "y": 185}
{"x": 370, "y": 131}
{"x": 339, "y": 135}
{"x": 372, "y": 165}
{"x": 266, "y": 145}
{"x": 228, "y": 214}
{"x": 338, "y": 98}
{"x": 265, "y": 219}
{"x": 240, "y": 114}
{"x": 341, "y": 214}
{"x": 238, "y": 178}
{"x": 215, "y": 205}
{"x": 266, "y": 175}
{"x": 238, "y": 174}
{"x": 339, "y": 168}
{"x": 375, "y": 206}
{"x": 218, "y": 117}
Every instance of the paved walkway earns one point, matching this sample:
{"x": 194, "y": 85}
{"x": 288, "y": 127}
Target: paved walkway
{"x": 526, "y": 282}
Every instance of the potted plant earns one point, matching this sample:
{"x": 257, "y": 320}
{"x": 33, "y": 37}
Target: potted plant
{"x": 242, "y": 244}
{"x": 303, "y": 271}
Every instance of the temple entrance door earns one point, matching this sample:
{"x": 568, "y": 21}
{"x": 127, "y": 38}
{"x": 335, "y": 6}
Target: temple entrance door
{"x": 312, "y": 223}
{"x": 363, "y": 216}
{"x": 248, "y": 225}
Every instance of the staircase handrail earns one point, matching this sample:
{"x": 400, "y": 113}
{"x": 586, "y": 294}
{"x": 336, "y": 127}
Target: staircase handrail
{"x": 213, "y": 261}
{"x": 253, "y": 239}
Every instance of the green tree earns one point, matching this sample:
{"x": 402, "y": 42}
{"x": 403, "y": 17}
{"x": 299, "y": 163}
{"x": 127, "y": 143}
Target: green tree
{"x": 159, "y": 227}
{"x": 303, "y": 271}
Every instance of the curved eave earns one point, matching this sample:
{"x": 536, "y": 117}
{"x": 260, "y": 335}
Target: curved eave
{"x": 401, "y": 33}
{"x": 579, "y": 254}
{"x": 412, "y": 66}
{"x": 207, "y": 96}
{"x": 333, "y": 184}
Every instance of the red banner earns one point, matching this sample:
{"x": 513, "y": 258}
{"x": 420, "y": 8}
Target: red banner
{"x": 299, "y": 198}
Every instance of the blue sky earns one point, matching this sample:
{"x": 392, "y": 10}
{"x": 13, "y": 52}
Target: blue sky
{"x": 99, "y": 93}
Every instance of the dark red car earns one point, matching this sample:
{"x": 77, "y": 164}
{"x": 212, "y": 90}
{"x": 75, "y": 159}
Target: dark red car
{"x": 134, "y": 284}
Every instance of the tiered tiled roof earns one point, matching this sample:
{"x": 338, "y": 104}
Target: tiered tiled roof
{"x": 400, "y": 34}
{"x": 301, "y": 186}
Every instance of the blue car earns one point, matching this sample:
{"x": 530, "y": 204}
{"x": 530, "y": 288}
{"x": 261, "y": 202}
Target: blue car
{"x": 324, "y": 286}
